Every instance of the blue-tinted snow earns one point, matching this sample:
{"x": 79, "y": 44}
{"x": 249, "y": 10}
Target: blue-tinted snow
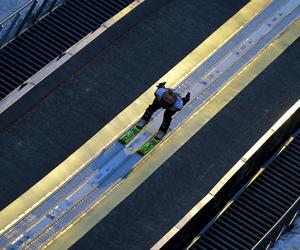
{"x": 9, "y": 6}
{"x": 291, "y": 239}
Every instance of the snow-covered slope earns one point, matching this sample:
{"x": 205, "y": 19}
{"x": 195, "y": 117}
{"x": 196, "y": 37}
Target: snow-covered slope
{"x": 9, "y": 6}
{"x": 291, "y": 239}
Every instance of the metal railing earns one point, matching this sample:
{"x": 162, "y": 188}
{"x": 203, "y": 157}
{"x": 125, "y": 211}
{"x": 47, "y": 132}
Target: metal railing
{"x": 280, "y": 227}
{"x": 24, "y": 17}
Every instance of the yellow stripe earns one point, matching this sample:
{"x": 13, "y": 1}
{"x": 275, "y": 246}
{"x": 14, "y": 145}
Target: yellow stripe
{"x": 171, "y": 145}
{"x": 90, "y": 149}
{"x": 240, "y": 81}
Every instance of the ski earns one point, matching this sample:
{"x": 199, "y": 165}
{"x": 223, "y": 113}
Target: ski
{"x": 133, "y": 131}
{"x": 151, "y": 143}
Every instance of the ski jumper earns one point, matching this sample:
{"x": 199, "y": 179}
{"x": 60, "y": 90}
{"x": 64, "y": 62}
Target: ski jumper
{"x": 169, "y": 111}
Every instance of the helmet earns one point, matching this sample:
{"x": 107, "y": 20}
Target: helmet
{"x": 168, "y": 99}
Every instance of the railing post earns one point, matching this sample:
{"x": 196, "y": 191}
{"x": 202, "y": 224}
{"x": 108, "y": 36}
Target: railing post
{"x": 26, "y": 17}
{"x": 6, "y": 33}
{"x": 38, "y": 13}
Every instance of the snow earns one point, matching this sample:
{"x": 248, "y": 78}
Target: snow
{"x": 291, "y": 239}
{"x": 9, "y": 6}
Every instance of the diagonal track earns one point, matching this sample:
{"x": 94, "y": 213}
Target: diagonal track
{"x": 87, "y": 187}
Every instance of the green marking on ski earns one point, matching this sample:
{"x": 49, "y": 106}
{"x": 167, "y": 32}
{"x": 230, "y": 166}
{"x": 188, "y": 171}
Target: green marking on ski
{"x": 149, "y": 145}
{"x": 130, "y": 134}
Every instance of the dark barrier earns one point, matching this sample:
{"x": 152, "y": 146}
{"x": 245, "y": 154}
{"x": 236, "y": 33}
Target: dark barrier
{"x": 25, "y": 16}
{"x": 77, "y": 61}
{"x": 183, "y": 237}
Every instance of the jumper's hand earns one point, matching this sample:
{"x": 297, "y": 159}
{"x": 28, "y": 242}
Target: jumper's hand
{"x": 161, "y": 85}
